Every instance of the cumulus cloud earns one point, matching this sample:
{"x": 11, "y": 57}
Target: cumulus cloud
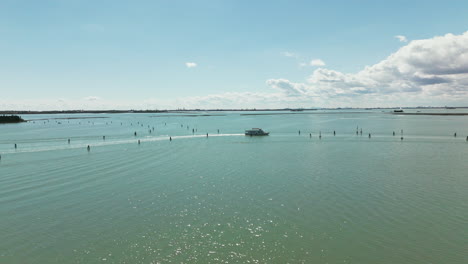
{"x": 430, "y": 71}
{"x": 427, "y": 67}
{"x": 401, "y": 38}
{"x": 317, "y": 62}
{"x": 287, "y": 88}
{"x": 421, "y": 72}
{"x": 190, "y": 64}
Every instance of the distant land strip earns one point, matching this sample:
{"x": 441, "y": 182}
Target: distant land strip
{"x": 180, "y": 111}
{"x": 439, "y": 114}
{"x": 302, "y": 113}
{"x": 57, "y": 118}
{"x": 187, "y": 111}
{"x": 184, "y": 115}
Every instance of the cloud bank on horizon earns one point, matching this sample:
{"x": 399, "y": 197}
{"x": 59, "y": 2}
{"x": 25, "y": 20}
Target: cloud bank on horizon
{"x": 423, "y": 71}
{"x": 430, "y": 71}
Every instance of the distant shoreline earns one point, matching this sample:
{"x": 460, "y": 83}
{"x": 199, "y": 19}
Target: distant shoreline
{"x": 25, "y": 112}
{"x": 439, "y": 114}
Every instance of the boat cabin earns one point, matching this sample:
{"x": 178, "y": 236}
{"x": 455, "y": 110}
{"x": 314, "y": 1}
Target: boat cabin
{"x": 256, "y": 132}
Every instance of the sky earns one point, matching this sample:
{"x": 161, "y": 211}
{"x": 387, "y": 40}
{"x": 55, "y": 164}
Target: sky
{"x": 112, "y": 54}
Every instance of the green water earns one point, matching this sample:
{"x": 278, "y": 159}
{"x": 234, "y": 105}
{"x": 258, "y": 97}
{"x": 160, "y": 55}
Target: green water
{"x": 228, "y": 198}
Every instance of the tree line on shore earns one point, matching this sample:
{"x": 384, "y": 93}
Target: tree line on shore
{"x": 11, "y": 119}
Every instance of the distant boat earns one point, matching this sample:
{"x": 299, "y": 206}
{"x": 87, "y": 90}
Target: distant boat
{"x": 398, "y": 110}
{"x": 256, "y": 132}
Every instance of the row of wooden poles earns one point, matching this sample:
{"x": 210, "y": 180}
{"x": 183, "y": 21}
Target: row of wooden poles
{"x": 151, "y": 129}
{"x": 299, "y": 132}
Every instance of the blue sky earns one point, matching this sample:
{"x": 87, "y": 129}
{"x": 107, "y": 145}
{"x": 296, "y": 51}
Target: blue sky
{"x": 68, "y": 54}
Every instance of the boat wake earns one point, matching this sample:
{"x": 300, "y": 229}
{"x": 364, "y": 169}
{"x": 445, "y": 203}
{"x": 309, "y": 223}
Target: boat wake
{"x": 109, "y": 142}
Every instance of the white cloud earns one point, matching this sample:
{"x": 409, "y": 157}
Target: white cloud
{"x": 69, "y": 104}
{"x": 287, "y": 88}
{"x": 423, "y": 72}
{"x": 430, "y": 71}
{"x": 91, "y": 98}
{"x": 317, "y": 62}
{"x": 428, "y": 67}
{"x": 246, "y": 100}
{"x": 190, "y": 64}
{"x": 401, "y": 38}
{"x": 289, "y": 54}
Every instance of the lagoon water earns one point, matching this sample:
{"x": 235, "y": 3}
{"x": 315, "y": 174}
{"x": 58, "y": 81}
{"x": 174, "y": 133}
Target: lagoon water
{"x": 228, "y": 198}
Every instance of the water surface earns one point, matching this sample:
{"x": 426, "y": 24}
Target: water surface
{"x": 228, "y": 198}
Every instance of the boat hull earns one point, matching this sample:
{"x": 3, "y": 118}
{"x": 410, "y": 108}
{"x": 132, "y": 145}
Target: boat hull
{"x": 264, "y": 134}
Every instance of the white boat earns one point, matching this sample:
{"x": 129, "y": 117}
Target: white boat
{"x": 256, "y": 132}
